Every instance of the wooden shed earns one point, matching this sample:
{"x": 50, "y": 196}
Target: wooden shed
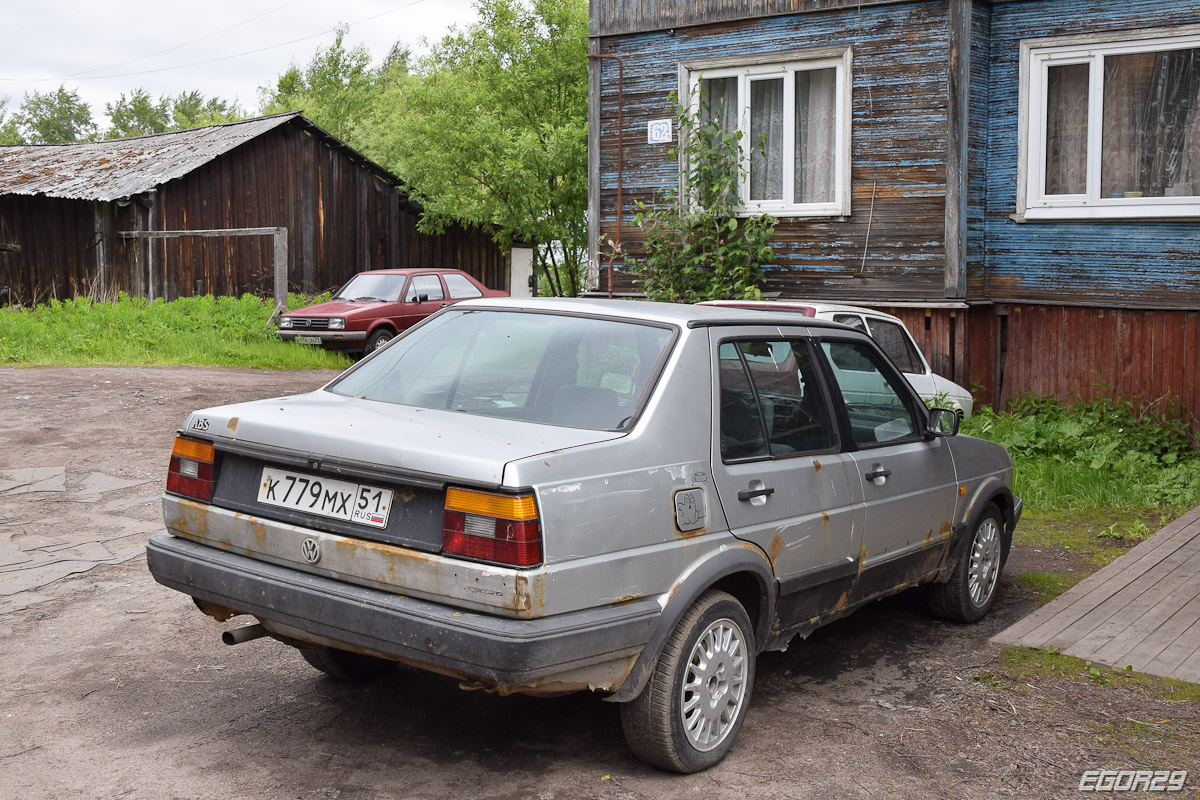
{"x": 66, "y": 207}
{"x": 1018, "y": 179}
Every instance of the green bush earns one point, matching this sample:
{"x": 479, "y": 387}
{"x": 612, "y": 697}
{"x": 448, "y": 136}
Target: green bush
{"x": 200, "y": 331}
{"x": 1098, "y": 454}
{"x": 697, "y": 247}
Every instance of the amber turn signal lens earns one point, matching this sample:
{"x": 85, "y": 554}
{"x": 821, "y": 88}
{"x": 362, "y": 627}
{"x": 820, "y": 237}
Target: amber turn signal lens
{"x": 194, "y": 449}
{"x": 502, "y": 506}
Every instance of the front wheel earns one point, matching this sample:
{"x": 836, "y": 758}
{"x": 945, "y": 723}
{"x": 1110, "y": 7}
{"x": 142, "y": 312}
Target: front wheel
{"x": 377, "y": 340}
{"x": 971, "y": 590}
{"x": 695, "y": 700}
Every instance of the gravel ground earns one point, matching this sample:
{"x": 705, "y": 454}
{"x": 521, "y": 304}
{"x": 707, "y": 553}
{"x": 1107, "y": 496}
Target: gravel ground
{"x": 114, "y": 687}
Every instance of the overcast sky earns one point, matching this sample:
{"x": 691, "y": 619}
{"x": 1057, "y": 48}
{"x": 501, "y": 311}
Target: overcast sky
{"x": 223, "y": 48}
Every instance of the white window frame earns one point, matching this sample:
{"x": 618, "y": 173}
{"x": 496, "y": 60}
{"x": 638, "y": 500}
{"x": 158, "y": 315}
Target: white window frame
{"x": 1037, "y": 55}
{"x": 783, "y": 65}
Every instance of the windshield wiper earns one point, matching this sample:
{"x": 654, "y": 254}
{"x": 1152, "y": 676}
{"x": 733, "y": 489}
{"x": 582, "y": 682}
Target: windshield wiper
{"x": 365, "y": 298}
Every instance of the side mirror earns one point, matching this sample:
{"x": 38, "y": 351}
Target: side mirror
{"x": 942, "y": 422}
{"x": 423, "y": 298}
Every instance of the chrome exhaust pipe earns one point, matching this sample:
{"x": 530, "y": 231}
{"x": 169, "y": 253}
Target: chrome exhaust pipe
{"x": 246, "y": 634}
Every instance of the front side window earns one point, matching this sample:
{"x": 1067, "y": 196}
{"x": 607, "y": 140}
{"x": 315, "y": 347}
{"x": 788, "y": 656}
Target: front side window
{"x": 794, "y": 121}
{"x": 559, "y": 370}
{"x": 1113, "y": 129}
{"x": 772, "y": 404}
{"x": 874, "y": 400}
{"x": 424, "y": 288}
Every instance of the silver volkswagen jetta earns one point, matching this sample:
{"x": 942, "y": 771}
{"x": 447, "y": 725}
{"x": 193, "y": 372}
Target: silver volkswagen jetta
{"x": 553, "y": 495}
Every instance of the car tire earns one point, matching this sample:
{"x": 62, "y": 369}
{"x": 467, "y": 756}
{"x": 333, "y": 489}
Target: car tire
{"x": 971, "y": 590}
{"x": 693, "y": 704}
{"x": 378, "y": 339}
{"x": 346, "y": 666}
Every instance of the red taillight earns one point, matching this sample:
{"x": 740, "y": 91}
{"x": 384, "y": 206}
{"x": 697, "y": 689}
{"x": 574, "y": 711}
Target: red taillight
{"x": 492, "y": 527}
{"x": 191, "y": 471}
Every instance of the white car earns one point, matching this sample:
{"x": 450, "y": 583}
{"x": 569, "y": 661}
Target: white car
{"x": 890, "y": 334}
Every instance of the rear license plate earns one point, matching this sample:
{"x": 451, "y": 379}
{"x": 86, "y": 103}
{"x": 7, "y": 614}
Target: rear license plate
{"x": 352, "y": 502}
{"x": 308, "y": 339}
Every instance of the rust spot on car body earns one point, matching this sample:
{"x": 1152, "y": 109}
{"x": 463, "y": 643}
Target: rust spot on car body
{"x": 529, "y": 596}
{"x": 825, "y": 518}
{"x": 192, "y": 519}
{"x": 232, "y": 425}
{"x": 776, "y": 550}
{"x": 945, "y": 529}
{"x": 260, "y": 531}
{"x": 842, "y": 601}
{"x": 217, "y": 612}
{"x": 626, "y": 598}
{"x": 816, "y": 465}
{"x": 928, "y": 540}
{"x": 862, "y": 559}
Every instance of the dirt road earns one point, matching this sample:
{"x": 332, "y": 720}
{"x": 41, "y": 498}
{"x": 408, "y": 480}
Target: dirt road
{"x": 114, "y": 687}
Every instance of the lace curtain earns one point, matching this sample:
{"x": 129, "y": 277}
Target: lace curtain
{"x": 815, "y": 131}
{"x": 1150, "y": 131}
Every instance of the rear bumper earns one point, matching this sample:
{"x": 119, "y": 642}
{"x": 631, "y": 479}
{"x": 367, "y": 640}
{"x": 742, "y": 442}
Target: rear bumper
{"x": 502, "y": 652}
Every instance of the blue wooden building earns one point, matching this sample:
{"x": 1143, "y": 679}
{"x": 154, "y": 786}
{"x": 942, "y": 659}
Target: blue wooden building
{"x": 1018, "y": 179}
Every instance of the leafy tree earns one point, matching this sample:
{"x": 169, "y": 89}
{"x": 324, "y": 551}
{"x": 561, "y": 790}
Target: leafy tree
{"x": 336, "y": 90}
{"x": 493, "y": 131}
{"x": 8, "y": 126}
{"x": 58, "y": 117}
{"x": 137, "y": 115}
{"x": 192, "y": 110}
{"x": 697, "y": 247}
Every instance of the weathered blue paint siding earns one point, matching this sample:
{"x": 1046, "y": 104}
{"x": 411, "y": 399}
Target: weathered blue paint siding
{"x": 977, "y": 145}
{"x": 892, "y": 246}
{"x": 1138, "y": 263}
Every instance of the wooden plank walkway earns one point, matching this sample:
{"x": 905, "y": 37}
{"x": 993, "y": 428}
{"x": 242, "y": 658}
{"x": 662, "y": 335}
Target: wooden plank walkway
{"x": 1142, "y": 610}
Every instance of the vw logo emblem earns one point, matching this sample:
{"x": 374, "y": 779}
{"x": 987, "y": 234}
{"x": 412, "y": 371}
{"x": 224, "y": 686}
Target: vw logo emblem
{"x": 311, "y": 550}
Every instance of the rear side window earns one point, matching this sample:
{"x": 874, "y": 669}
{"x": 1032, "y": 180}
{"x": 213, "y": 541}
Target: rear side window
{"x": 459, "y": 287}
{"x": 853, "y": 320}
{"x": 560, "y": 370}
{"x": 874, "y": 402}
{"x": 424, "y": 288}
{"x": 772, "y": 403}
{"x": 896, "y": 342}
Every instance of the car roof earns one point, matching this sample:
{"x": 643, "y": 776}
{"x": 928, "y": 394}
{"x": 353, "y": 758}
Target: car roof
{"x": 792, "y": 306}
{"x": 407, "y": 271}
{"x": 692, "y": 316}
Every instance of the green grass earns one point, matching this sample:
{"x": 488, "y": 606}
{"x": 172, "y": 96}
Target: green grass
{"x": 1086, "y": 533}
{"x": 194, "y": 331}
{"x": 1099, "y": 455}
{"x": 1025, "y": 664}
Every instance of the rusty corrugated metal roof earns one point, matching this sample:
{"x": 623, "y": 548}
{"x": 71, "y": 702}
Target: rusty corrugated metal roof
{"x": 118, "y": 168}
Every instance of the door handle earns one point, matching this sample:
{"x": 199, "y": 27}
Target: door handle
{"x": 750, "y": 494}
{"x": 877, "y": 473}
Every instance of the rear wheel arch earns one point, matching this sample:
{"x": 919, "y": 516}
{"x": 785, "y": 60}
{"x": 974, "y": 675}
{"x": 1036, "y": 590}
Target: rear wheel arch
{"x": 742, "y": 572}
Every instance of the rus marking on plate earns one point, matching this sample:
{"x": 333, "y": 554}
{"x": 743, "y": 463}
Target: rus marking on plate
{"x": 311, "y": 550}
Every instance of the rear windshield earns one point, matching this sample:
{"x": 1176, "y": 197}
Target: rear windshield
{"x": 561, "y": 370}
